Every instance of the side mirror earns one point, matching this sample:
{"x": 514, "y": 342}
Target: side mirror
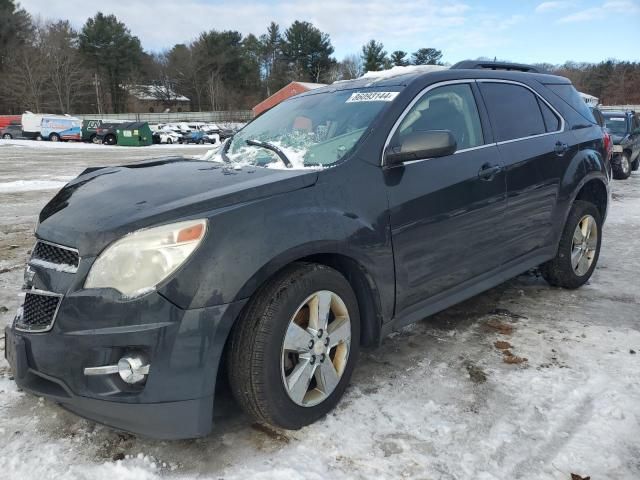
{"x": 419, "y": 145}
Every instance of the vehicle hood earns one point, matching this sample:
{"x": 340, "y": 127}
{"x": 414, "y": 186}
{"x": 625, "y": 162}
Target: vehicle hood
{"x": 618, "y": 139}
{"x": 103, "y": 204}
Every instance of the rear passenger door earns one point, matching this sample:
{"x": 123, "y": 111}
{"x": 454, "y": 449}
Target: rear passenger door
{"x": 535, "y": 153}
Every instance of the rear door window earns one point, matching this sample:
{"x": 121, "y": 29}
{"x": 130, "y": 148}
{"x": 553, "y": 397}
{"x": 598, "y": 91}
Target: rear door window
{"x": 513, "y": 110}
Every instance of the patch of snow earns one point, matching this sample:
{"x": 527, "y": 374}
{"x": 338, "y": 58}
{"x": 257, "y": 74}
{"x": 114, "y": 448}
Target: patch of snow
{"x": 58, "y": 267}
{"x": 398, "y": 70}
{"x": 46, "y": 145}
{"x": 30, "y": 185}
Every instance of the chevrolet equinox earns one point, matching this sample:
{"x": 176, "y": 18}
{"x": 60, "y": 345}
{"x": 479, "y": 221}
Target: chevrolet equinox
{"x": 326, "y": 223}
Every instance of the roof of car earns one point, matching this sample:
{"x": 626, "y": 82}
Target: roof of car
{"x": 615, "y": 113}
{"x": 405, "y": 77}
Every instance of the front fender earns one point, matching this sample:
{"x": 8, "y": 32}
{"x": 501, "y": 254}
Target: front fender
{"x": 249, "y": 243}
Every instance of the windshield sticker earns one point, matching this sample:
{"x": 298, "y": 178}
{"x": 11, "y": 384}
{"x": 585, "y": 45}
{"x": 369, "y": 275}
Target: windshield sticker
{"x": 372, "y": 97}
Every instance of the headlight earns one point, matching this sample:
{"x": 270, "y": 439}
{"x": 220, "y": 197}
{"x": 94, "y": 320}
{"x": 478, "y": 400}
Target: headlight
{"x": 138, "y": 262}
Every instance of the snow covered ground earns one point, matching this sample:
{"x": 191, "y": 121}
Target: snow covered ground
{"x": 435, "y": 401}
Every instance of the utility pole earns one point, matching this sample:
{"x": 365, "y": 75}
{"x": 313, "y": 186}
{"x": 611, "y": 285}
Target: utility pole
{"x": 95, "y": 81}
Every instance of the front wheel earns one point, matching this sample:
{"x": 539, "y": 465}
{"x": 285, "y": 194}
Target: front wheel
{"x": 579, "y": 248}
{"x": 54, "y": 137}
{"x": 292, "y": 353}
{"x": 7, "y": 136}
{"x": 636, "y": 164}
{"x": 622, "y": 168}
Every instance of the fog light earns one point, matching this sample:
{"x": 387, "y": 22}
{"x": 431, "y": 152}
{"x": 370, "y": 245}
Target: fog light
{"x": 133, "y": 368}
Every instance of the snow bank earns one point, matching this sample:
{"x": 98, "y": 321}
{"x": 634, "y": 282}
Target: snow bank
{"x": 30, "y": 185}
{"x": 83, "y": 146}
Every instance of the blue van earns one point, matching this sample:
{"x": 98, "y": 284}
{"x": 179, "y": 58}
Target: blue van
{"x": 56, "y": 128}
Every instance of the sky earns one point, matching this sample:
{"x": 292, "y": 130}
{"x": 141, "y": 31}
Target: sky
{"x": 528, "y": 31}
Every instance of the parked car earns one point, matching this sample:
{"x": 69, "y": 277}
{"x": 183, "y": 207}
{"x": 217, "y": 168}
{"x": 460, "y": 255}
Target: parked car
{"x": 196, "y": 136}
{"x": 91, "y": 126}
{"x": 335, "y": 218}
{"x": 624, "y": 128}
{"x": 56, "y": 128}
{"x": 608, "y": 142}
{"x": 106, "y": 133}
{"x": 13, "y": 130}
{"x": 166, "y": 135}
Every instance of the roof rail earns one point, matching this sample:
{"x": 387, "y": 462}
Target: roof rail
{"x": 477, "y": 64}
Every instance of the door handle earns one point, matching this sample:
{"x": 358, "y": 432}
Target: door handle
{"x": 487, "y": 171}
{"x": 561, "y": 148}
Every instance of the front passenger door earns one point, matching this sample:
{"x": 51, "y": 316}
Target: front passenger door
{"x": 445, "y": 212}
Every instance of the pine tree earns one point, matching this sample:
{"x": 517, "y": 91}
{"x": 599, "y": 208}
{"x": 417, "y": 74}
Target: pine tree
{"x": 114, "y": 52}
{"x": 427, "y": 56}
{"x": 399, "y": 58}
{"x": 373, "y": 56}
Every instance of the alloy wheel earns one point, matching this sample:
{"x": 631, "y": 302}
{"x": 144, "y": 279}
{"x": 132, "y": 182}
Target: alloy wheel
{"x": 584, "y": 245}
{"x": 316, "y": 348}
{"x": 624, "y": 163}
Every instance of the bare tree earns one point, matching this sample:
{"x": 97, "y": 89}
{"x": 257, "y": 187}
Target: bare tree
{"x": 351, "y": 67}
{"x": 69, "y": 79}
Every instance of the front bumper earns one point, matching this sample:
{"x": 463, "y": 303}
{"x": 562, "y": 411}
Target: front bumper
{"x": 184, "y": 348}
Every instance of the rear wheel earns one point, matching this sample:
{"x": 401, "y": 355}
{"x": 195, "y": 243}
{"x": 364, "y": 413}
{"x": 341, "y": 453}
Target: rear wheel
{"x": 622, "y": 168}
{"x": 635, "y": 165}
{"x": 94, "y": 139}
{"x": 7, "y": 136}
{"x": 109, "y": 140}
{"x": 293, "y": 351}
{"x": 169, "y": 141}
{"x": 578, "y": 250}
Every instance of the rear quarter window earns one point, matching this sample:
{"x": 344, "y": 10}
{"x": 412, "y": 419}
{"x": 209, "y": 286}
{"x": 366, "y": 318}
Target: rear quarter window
{"x": 571, "y": 96}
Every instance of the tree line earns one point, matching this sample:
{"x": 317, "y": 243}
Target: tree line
{"x": 50, "y": 66}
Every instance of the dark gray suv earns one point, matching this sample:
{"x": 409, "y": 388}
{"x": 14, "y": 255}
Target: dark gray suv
{"x": 331, "y": 220}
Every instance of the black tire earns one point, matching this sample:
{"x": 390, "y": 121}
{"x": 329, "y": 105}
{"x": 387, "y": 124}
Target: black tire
{"x": 38, "y": 137}
{"x": 110, "y": 140}
{"x": 7, "y": 136}
{"x": 635, "y": 165}
{"x": 622, "y": 168}
{"x": 255, "y": 348}
{"x": 169, "y": 141}
{"x": 54, "y": 137}
{"x": 559, "y": 272}
{"x": 94, "y": 139}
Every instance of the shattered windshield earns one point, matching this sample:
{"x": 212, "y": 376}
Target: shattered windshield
{"x": 308, "y": 131}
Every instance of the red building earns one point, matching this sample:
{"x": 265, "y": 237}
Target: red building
{"x": 294, "y": 88}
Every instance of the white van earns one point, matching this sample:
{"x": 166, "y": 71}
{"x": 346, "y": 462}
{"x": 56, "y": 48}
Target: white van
{"x": 31, "y": 124}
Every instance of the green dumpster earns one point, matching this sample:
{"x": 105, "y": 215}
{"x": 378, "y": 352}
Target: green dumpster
{"x": 134, "y": 134}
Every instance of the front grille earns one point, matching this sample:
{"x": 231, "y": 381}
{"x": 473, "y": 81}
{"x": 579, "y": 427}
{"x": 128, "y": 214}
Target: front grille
{"x": 38, "y": 312}
{"x": 55, "y": 256}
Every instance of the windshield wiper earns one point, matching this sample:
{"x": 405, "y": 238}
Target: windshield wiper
{"x": 273, "y": 148}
